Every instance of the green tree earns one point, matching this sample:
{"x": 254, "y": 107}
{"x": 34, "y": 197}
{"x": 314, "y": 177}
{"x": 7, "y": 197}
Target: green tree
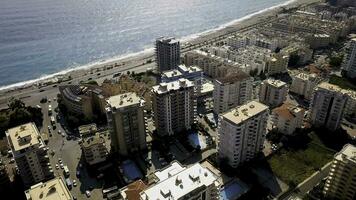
{"x": 336, "y": 61}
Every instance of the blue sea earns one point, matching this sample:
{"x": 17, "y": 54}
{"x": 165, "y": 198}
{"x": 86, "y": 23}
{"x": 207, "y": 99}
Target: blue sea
{"x": 42, "y": 37}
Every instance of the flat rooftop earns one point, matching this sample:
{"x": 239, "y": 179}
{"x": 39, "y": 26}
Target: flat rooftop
{"x": 180, "y": 184}
{"x": 93, "y": 140}
{"x": 124, "y": 100}
{"x": 87, "y": 129}
{"x": 244, "y": 112}
{"x": 348, "y": 152}
{"x": 171, "y": 86}
{"x": 171, "y": 73}
{"x": 275, "y": 83}
{"x": 24, "y": 136}
{"x": 54, "y": 189}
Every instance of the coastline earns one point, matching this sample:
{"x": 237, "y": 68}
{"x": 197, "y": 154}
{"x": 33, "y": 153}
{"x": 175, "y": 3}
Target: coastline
{"x": 141, "y": 57}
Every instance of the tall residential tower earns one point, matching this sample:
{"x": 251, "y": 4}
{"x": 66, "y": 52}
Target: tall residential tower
{"x": 167, "y": 53}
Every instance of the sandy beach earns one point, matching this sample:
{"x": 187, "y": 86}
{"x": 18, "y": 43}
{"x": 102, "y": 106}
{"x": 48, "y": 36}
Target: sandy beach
{"x": 141, "y": 60}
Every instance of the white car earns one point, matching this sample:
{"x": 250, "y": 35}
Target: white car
{"x": 60, "y": 160}
{"x": 59, "y": 132}
{"x": 87, "y": 193}
{"x": 74, "y": 183}
{"x": 57, "y": 166}
{"x": 63, "y": 135}
{"x": 62, "y": 166}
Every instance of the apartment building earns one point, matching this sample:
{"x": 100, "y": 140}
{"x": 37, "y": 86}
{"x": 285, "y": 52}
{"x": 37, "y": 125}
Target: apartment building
{"x": 304, "y": 84}
{"x": 287, "y": 118}
{"x": 242, "y": 131}
{"x": 126, "y": 121}
{"x": 273, "y": 92}
{"x": 183, "y": 182}
{"x": 302, "y": 50}
{"x": 349, "y": 62}
{"x": 276, "y": 64}
{"x": 341, "y": 181}
{"x": 30, "y": 153}
{"x": 94, "y": 149}
{"x": 167, "y": 53}
{"x": 327, "y": 106}
{"x": 232, "y": 90}
{"x": 54, "y": 189}
{"x": 174, "y": 106}
{"x": 192, "y": 73}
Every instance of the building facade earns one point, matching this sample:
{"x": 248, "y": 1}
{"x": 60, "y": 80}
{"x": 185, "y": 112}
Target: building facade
{"x": 276, "y": 64}
{"x": 30, "y": 153}
{"x": 273, "y": 92}
{"x": 232, "y": 90}
{"x": 183, "y": 182}
{"x": 126, "y": 120}
{"x": 94, "y": 149}
{"x": 242, "y": 131}
{"x": 341, "y": 181}
{"x": 174, "y": 106}
{"x": 167, "y": 53}
{"x": 349, "y": 62}
{"x": 304, "y": 84}
{"x": 287, "y": 118}
{"x": 327, "y": 106}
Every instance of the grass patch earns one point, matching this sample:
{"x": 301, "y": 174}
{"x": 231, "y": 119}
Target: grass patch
{"x": 342, "y": 82}
{"x": 294, "y": 166}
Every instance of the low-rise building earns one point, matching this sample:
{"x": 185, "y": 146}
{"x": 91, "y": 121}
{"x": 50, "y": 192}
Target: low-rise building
{"x": 341, "y": 181}
{"x": 94, "y": 149}
{"x": 273, "y": 92}
{"x": 276, "y": 64}
{"x": 232, "y": 90}
{"x": 180, "y": 182}
{"x": 300, "y": 50}
{"x": 242, "y": 132}
{"x": 87, "y": 130}
{"x": 30, "y": 153}
{"x": 287, "y": 118}
{"x": 132, "y": 191}
{"x": 54, "y": 189}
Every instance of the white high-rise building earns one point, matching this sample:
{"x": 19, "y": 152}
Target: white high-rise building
{"x": 179, "y": 182}
{"x": 167, "y": 53}
{"x": 273, "y": 92}
{"x": 174, "y": 106}
{"x": 349, "y": 63}
{"x": 54, "y": 189}
{"x": 30, "y": 153}
{"x": 327, "y": 106}
{"x": 341, "y": 182}
{"x": 232, "y": 90}
{"x": 287, "y": 118}
{"x": 242, "y": 132}
{"x": 125, "y": 114}
{"x": 304, "y": 84}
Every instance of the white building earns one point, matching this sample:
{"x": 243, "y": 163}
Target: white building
{"x": 94, "y": 149}
{"x": 304, "y": 84}
{"x": 167, "y": 53}
{"x": 30, "y": 153}
{"x": 242, "y": 132}
{"x": 174, "y": 106}
{"x": 178, "y": 182}
{"x": 54, "y": 189}
{"x": 349, "y": 63}
{"x": 287, "y": 118}
{"x": 273, "y": 92}
{"x": 341, "y": 181}
{"x": 276, "y": 64}
{"x": 125, "y": 114}
{"x": 327, "y": 106}
{"x": 232, "y": 90}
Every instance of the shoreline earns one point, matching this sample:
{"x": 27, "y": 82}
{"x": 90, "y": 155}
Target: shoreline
{"x": 142, "y": 57}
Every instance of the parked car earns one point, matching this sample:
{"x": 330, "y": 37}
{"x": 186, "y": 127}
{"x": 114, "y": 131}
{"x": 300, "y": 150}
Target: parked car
{"x": 87, "y": 193}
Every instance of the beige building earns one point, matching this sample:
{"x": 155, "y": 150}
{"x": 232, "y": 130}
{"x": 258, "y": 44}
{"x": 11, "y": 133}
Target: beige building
{"x": 304, "y": 84}
{"x": 94, "y": 149}
{"x": 54, "y": 189}
{"x": 174, "y": 106}
{"x": 87, "y": 130}
{"x": 125, "y": 114}
{"x": 287, "y": 118}
{"x": 302, "y": 50}
{"x": 349, "y": 62}
{"x": 273, "y": 92}
{"x": 327, "y": 106}
{"x": 276, "y": 64}
{"x": 183, "y": 182}
{"x": 30, "y": 153}
{"x": 242, "y": 132}
{"x": 341, "y": 182}
{"x": 232, "y": 90}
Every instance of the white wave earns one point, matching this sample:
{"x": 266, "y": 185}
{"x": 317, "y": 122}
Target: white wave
{"x": 150, "y": 49}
